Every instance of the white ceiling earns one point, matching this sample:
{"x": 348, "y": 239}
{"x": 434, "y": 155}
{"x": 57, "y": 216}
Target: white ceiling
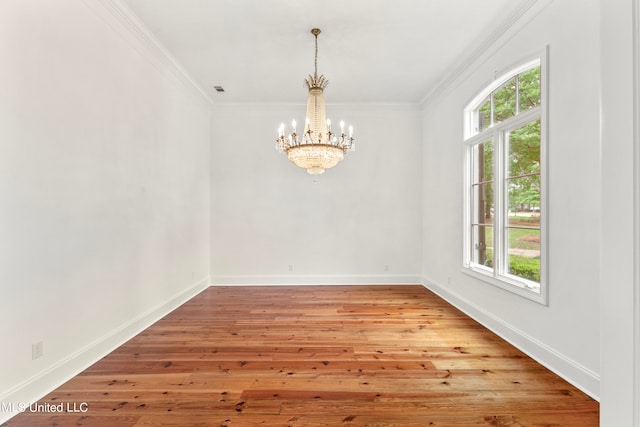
{"x": 372, "y": 51}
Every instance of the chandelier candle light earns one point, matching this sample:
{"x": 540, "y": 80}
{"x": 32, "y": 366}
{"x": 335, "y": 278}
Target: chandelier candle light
{"x": 318, "y": 148}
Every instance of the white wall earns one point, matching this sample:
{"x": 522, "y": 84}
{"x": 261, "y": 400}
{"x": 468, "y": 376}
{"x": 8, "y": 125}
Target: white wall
{"x": 565, "y": 335}
{"x": 358, "y": 217}
{"x": 104, "y": 189}
{"x": 619, "y": 21}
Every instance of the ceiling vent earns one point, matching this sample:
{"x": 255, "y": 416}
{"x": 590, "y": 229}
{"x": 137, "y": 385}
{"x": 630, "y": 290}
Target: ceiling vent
{"x": 219, "y": 89}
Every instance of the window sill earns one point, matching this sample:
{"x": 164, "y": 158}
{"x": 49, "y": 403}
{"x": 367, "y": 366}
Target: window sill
{"x": 512, "y": 286}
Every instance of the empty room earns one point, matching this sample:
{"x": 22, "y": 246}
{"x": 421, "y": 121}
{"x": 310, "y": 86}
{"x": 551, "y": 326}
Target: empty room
{"x": 320, "y": 213}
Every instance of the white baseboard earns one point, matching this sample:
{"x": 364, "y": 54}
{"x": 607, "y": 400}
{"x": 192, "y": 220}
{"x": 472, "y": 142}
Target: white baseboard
{"x": 347, "y": 279}
{"x": 571, "y": 371}
{"x": 39, "y": 385}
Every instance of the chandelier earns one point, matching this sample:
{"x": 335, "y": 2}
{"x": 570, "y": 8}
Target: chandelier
{"x": 318, "y": 148}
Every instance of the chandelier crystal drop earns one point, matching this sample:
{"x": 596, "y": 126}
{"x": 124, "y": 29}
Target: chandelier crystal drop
{"x": 318, "y": 147}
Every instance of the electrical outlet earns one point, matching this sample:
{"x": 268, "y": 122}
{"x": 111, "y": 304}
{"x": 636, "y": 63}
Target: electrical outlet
{"x": 36, "y": 350}
{"x": 386, "y": 267}
{"x": 290, "y": 267}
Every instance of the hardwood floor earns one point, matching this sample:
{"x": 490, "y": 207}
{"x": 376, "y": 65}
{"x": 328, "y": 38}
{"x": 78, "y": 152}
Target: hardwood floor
{"x": 317, "y": 356}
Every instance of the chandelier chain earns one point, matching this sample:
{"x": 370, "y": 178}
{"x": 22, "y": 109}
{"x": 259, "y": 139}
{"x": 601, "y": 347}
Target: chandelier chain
{"x": 315, "y": 73}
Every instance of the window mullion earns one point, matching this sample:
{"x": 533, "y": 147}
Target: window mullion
{"x": 517, "y": 94}
{"x": 499, "y": 203}
{"x": 504, "y": 205}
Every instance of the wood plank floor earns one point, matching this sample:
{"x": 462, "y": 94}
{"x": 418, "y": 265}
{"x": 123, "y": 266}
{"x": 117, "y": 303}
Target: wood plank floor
{"x": 317, "y": 356}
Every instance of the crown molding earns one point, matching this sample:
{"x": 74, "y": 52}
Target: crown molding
{"x": 258, "y": 106}
{"x": 503, "y": 31}
{"x": 124, "y": 21}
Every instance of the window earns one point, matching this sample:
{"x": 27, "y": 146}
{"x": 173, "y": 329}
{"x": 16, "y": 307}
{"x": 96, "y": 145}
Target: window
{"x": 505, "y": 209}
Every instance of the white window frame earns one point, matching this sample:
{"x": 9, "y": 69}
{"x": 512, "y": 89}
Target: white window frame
{"x": 498, "y": 275}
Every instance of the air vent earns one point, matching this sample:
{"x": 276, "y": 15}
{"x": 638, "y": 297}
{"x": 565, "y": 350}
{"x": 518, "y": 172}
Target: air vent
{"x": 219, "y": 88}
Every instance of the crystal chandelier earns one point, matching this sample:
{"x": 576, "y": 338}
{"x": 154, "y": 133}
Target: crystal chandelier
{"x": 318, "y": 148}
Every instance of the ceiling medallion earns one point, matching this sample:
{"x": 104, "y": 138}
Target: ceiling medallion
{"x": 318, "y": 148}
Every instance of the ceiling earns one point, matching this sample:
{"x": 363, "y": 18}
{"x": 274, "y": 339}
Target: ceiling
{"x": 372, "y": 51}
